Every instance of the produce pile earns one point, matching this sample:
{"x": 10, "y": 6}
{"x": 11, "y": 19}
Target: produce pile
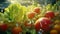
{"x": 32, "y": 19}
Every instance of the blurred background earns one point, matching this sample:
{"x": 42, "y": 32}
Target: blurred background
{"x": 5, "y": 3}
{"x": 13, "y": 14}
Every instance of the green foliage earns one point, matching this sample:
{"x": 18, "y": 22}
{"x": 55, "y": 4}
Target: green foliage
{"x": 16, "y": 12}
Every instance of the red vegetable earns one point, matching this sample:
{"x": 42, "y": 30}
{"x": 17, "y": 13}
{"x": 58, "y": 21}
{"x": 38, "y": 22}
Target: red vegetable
{"x": 27, "y": 24}
{"x": 43, "y": 23}
{"x": 37, "y": 10}
{"x": 3, "y": 26}
{"x": 31, "y": 15}
{"x": 16, "y": 30}
{"x": 49, "y": 14}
